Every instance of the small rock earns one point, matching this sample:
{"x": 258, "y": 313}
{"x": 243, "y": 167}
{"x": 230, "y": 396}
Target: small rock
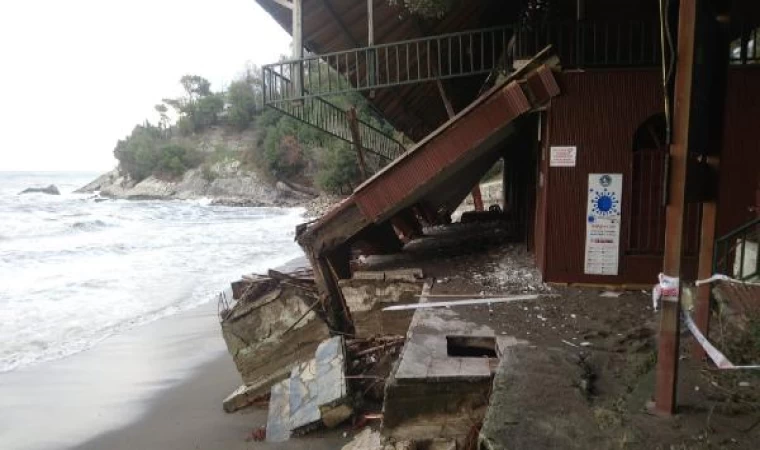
{"x": 50, "y": 190}
{"x": 744, "y": 384}
{"x": 586, "y": 344}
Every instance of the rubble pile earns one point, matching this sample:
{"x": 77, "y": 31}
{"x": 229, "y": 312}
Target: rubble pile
{"x": 271, "y": 328}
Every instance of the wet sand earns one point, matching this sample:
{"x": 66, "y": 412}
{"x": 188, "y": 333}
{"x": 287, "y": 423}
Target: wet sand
{"x": 158, "y": 386}
{"x": 190, "y": 416}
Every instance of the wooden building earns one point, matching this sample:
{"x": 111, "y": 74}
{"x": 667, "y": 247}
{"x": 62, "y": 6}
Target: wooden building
{"x": 610, "y": 117}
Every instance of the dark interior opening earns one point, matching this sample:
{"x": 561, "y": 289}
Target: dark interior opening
{"x": 471, "y": 346}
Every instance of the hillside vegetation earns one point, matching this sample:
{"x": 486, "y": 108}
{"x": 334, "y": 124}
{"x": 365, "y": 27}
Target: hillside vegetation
{"x": 283, "y": 149}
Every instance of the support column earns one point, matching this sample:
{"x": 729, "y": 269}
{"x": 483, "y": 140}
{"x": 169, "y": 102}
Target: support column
{"x": 297, "y": 75}
{"x": 667, "y": 355}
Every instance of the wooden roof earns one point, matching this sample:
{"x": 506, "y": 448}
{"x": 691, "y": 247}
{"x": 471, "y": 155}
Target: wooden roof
{"x": 416, "y": 109}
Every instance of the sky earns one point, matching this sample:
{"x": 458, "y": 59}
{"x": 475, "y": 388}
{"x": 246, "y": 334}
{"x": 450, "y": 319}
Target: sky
{"x": 78, "y": 75}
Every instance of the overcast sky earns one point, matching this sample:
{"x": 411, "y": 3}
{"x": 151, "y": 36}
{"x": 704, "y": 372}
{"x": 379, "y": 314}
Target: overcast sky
{"x": 77, "y": 75}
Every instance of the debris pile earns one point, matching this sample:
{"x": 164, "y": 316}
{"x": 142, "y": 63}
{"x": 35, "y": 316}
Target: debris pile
{"x": 269, "y": 330}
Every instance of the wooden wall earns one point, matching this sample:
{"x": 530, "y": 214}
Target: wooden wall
{"x": 599, "y": 112}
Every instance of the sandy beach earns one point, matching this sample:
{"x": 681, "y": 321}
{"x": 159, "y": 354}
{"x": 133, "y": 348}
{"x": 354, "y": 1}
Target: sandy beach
{"x": 159, "y": 386}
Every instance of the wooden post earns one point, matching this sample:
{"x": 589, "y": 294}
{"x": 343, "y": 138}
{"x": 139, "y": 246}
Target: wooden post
{"x": 477, "y": 197}
{"x": 370, "y": 23}
{"x": 297, "y": 75}
{"x": 717, "y": 78}
{"x": 353, "y": 124}
{"x": 667, "y": 355}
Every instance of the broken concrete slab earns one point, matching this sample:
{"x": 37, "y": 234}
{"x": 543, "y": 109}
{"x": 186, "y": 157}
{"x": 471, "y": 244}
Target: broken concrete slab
{"x": 269, "y": 334}
{"x": 559, "y": 418}
{"x": 318, "y": 386}
{"x": 315, "y": 394}
{"x": 433, "y": 394}
{"x": 278, "y": 419}
{"x": 240, "y": 398}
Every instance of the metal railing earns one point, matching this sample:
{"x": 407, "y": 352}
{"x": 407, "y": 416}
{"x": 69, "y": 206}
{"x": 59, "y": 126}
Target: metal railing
{"x": 333, "y": 120}
{"x": 737, "y": 254}
{"x": 388, "y": 65}
{"x": 746, "y": 49}
{"x": 590, "y": 44}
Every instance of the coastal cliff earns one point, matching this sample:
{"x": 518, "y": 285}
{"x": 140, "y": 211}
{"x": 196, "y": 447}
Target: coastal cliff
{"x": 226, "y": 182}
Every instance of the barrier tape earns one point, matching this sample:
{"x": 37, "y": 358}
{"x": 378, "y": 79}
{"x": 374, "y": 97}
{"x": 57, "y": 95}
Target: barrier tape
{"x": 719, "y": 277}
{"x": 719, "y": 359}
{"x": 666, "y": 290}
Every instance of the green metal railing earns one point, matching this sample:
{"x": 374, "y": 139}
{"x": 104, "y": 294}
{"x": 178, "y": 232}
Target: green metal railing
{"x": 323, "y": 115}
{"x": 441, "y": 57}
{"x": 737, "y": 254}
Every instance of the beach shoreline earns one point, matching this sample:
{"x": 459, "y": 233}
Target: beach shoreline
{"x": 160, "y": 385}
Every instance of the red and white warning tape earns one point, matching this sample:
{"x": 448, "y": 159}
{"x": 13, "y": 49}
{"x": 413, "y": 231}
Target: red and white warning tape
{"x": 719, "y": 277}
{"x": 719, "y": 359}
{"x": 666, "y": 290}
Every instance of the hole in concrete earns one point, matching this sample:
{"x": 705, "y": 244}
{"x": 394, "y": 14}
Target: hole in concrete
{"x": 471, "y": 346}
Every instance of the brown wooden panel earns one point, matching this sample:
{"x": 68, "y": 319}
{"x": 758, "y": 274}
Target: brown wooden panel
{"x": 740, "y": 160}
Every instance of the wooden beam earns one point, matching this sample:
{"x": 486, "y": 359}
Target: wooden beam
{"x": 343, "y": 28}
{"x": 445, "y": 98}
{"x": 477, "y": 196}
{"x": 668, "y": 350}
{"x": 353, "y": 124}
{"x": 298, "y": 46}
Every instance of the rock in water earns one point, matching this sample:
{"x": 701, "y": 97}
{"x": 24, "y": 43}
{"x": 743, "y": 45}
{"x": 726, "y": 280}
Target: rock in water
{"x": 50, "y": 190}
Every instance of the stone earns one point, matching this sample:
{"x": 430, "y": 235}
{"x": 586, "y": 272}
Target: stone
{"x": 50, "y": 190}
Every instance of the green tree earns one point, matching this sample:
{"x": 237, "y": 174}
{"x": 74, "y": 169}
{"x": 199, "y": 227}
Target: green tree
{"x": 241, "y": 100}
{"x": 339, "y": 169}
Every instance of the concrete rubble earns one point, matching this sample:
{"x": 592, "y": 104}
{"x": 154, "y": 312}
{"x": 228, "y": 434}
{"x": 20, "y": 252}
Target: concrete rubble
{"x": 315, "y": 394}
{"x": 270, "y": 329}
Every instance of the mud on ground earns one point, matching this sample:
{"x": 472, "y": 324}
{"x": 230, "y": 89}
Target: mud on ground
{"x": 602, "y": 347}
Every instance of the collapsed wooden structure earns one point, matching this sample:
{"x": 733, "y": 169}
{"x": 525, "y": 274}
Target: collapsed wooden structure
{"x": 611, "y": 165}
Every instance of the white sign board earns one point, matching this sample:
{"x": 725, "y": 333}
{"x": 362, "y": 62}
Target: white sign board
{"x": 562, "y": 156}
{"x": 605, "y": 192}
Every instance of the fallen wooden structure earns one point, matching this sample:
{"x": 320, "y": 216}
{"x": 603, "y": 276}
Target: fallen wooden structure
{"x": 432, "y": 178}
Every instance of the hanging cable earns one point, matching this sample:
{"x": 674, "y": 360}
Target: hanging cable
{"x": 668, "y": 63}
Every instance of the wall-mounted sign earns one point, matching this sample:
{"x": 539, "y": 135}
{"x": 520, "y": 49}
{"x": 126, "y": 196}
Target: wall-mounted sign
{"x": 605, "y": 192}
{"x": 562, "y": 156}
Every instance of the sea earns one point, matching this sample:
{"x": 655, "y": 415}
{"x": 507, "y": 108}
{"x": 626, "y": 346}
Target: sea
{"x": 77, "y": 268}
